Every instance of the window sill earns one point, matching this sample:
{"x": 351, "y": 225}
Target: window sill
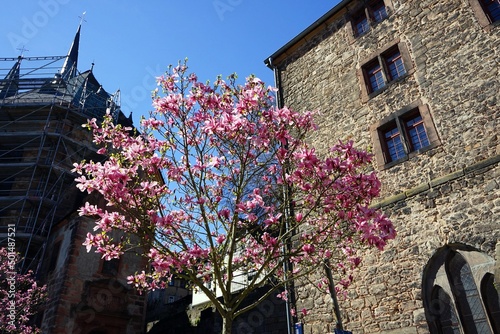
{"x": 356, "y": 36}
{"x": 409, "y": 156}
{"x": 389, "y": 84}
{"x": 492, "y": 26}
{"x": 373, "y": 25}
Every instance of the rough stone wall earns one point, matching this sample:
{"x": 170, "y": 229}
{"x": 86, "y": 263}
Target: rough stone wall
{"x": 83, "y": 297}
{"x": 449, "y": 194}
{"x": 388, "y": 294}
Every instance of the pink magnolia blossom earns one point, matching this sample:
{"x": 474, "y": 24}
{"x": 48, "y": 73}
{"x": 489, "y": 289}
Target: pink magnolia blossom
{"x": 219, "y": 180}
{"x": 20, "y": 297}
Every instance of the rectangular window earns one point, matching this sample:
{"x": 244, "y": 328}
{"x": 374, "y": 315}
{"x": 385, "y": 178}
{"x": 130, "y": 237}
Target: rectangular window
{"x": 487, "y": 12}
{"x": 385, "y": 68}
{"x": 379, "y": 11}
{"x": 405, "y": 134}
{"x": 393, "y": 144}
{"x": 375, "y": 12}
{"x": 375, "y": 76}
{"x": 417, "y": 136}
{"x": 402, "y": 134}
{"x": 361, "y": 25}
{"x": 491, "y": 9}
{"x": 395, "y": 66}
{"x": 54, "y": 256}
{"x": 380, "y": 69}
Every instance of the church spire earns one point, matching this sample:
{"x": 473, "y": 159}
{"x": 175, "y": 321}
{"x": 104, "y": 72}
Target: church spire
{"x": 9, "y": 85}
{"x": 69, "y": 69}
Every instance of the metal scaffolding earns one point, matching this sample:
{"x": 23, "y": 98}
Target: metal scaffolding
{"x": 42, "y": 107}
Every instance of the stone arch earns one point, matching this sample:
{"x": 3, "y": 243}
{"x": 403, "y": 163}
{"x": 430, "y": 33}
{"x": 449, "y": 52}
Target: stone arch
{"x": 454, "y": 285}
{"x": 491, "y": 299}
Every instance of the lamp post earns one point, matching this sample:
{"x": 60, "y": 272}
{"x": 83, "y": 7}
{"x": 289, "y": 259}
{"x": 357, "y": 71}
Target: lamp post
{"x": 288, "y": 212}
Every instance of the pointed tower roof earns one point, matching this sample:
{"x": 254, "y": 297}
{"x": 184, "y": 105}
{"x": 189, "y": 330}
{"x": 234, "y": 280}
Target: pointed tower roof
{"x": 69, "y": 69}
{"x": 9, "y": 85}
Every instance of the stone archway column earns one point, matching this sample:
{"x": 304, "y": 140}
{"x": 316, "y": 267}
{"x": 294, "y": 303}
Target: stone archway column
{"x": 497, "y": 266}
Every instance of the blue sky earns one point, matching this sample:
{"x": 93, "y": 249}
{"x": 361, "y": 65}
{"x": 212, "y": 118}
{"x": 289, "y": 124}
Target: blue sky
{"x": 132, "y": 42}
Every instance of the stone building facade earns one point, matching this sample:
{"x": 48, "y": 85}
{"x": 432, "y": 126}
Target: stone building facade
{"x": 417, "y": 82}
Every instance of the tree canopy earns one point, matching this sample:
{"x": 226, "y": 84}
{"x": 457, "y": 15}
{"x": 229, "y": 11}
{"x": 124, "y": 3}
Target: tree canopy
{"x": 218, "y": 182}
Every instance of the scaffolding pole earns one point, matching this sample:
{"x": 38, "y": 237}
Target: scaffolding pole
{"x": 40, "y": 137}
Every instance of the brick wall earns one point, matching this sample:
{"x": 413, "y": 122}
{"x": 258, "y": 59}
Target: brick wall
{"x": 82, "y": 297}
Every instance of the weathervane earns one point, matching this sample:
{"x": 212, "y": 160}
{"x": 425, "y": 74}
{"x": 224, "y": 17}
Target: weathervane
{"x": 22, "y": 49}
{"x": 82, "y": 18}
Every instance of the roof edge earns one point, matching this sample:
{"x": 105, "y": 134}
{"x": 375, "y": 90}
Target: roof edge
{"x": 300, "y": 36}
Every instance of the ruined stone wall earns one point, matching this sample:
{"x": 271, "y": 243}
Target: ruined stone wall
{"x": 82, "y": 295}
{"x": 446, "y": 195}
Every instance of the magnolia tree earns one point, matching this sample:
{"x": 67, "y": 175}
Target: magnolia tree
{"x": 218, "y": 182}
{"x": 20, "y": 296}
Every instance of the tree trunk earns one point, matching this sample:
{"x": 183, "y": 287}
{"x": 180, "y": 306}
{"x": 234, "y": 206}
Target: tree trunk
{"x": 227, "y": 324}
